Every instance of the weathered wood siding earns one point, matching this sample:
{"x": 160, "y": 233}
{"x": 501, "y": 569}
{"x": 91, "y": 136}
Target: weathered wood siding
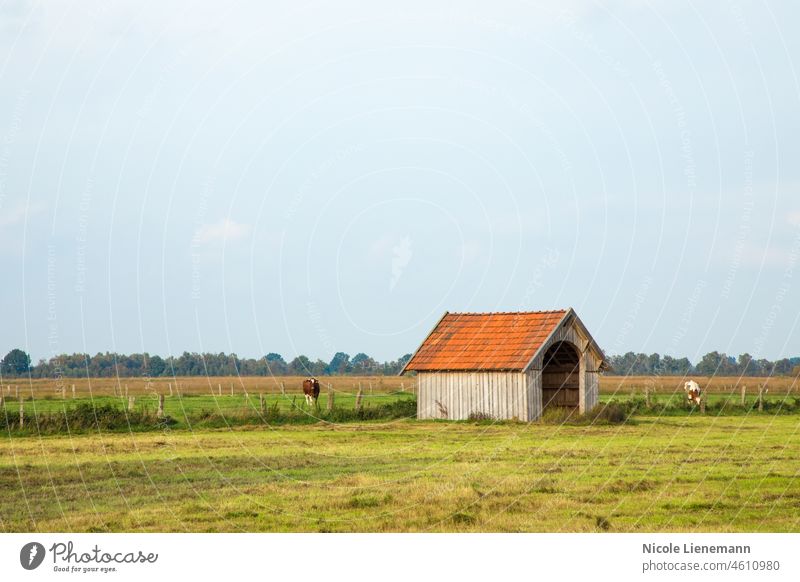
{"x": 560, "y": 386}
{"x": 534, "y": 386}
{"x": 457, "y": 395}
{"x": 592, "y": 374}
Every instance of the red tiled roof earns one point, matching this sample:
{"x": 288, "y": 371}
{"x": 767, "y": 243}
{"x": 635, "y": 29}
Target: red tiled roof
{"x": 485, "y": 341}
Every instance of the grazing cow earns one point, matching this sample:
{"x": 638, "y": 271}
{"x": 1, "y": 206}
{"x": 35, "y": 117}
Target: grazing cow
{"x": 692, "y": 390}
{"x": 311, "y": 390}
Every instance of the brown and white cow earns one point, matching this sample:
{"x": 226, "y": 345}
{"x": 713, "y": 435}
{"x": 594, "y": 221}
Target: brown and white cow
{"x": 692, "y": 390}
{"x": 311, "y": 390}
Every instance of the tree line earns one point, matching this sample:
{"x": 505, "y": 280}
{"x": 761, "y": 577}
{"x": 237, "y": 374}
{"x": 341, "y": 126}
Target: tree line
{"x": 712, "y": 364}
{"x": 18, "y": 363}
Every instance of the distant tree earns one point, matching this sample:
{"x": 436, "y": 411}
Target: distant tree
{"x": 682, "y": 367}
{"x": 359, "y": 359}
{"x": 300, "y": 366}
{"x": 156, "y": 365}
{"x": 783, "y": 367}
{"x": 339, "y": 364}
{"x": 16, "y": 362}
{"x": 629, "y": 364}
{"x": 764, "y": 367}
{"x": 318, "y": 367}
{"x": 363, "y": 364}
{"x": 393, "y": 368}
{"x": 710, "y": 364}
{"x": 653, "y": 364}
{"x": 276, "y": 365}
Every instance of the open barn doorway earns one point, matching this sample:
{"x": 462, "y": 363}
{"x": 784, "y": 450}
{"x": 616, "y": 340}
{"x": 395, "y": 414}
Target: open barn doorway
{"x": 561, "y": 377}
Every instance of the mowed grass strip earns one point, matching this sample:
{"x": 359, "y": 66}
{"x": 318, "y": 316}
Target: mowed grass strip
{"x": 668, "y": 474}
{"x": 211, "y": 411}
{"x": 198, "y": 410}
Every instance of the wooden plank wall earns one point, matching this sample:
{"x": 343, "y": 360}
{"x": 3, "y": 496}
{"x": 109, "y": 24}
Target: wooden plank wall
{"x": 534, "y": 384}
{"x": 560, "y": 385}
{"x": 457, "y": 395}
{"x": 592, "y": 380}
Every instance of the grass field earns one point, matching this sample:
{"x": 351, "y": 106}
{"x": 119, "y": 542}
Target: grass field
{"x": 667, "y": 474}
{"x": 238, "y": 408}
{"x": 734, "y": 469}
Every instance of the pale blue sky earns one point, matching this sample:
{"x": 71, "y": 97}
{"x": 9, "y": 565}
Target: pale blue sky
{"x": 308, "y": 177}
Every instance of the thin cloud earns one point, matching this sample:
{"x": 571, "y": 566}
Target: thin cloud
{"x": 18, "y": 213}
{"x": 224, "y": 230}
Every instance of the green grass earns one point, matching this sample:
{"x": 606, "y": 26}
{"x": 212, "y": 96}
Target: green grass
{"x": 716, "y": 405}
{"x": 677, "y": 473}
{"x": 46, "y": 415}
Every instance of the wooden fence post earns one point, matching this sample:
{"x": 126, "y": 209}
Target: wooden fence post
{"x": 73, "y": 391}
{"x": 160, "y": 412}
{"x": 2, "y": 400}
{"x": 170, "y": 388}
{"x": 219, "y": 389}
{"x": 744, "y": 394}
{"x": 63, "y": 392}
{"x": 761, "y": 398}
{"x": 359, "y": 395}
{"x": 16, "y": 391}
{"x": 647, "y": 396}
{"x": 131, "y": 403}
{"x": 21, "y": 414}
{"x": 261, "y": 406}
{"x": 283, "y": 389}
{"x": 330, "y": 397}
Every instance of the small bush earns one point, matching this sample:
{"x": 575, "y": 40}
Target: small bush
{"x": 480, "y": 416}
{"x": 84, "y": 417}
{"x": 602, "y": 523}
{"x": 610, "y": 413}
{"x": 607, "y": 414}
{"x": 364, "y": 501}
{"x": 464, "y": 518}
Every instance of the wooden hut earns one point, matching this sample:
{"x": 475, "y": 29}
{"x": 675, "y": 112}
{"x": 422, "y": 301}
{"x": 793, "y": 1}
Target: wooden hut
{"x": 506, "y": 365}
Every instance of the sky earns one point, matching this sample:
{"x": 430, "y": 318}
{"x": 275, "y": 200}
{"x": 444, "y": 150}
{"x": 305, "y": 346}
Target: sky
{"x": 312, "y": 177}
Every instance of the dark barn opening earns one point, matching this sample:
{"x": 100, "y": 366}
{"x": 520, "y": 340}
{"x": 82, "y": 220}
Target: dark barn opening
{"x": 561, "y": 376}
